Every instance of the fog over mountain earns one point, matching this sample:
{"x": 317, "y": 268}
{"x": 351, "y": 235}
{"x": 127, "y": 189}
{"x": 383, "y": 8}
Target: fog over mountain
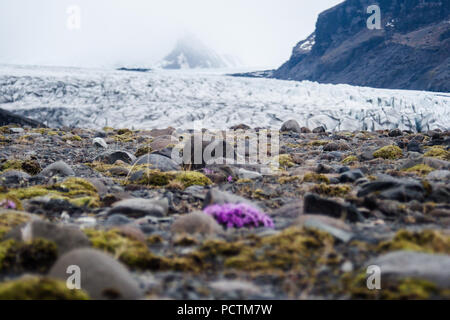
{"x": 115, "y": 33}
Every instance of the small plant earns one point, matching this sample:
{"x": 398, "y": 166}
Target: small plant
{"x": 7, "y": 204}
{"x": 238, "y": 216}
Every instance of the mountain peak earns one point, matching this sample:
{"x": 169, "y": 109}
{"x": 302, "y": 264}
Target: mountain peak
{"x": 192, "y": 53}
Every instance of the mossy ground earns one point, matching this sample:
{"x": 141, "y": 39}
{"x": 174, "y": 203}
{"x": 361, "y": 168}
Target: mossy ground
{"x": 31, "y": 167}
{"x": 133, "y": 253}
{"x": 404, "y": 289}
{"x": 316, "y": 177}
{"x": 429, "y": 241}
{"x": 36, "y": 288}
{"x": 37, "y": 255}
{"x": 438, "y": 152}
{"x": 350, "y": 160}
{"x": 285, "y": 161}
{"x": 331, "y": 190}
{"x": 10, "y": 219}
{"x": 75, "y": 190}
{"x": 420, "y": 169}
{"x": 389, "y": 152}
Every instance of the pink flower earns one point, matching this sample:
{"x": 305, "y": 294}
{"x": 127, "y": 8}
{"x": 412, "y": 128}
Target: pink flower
{"x": 238, "y": 216}
{"x": 8, "y": 204}
{"x": 230, "y": 178}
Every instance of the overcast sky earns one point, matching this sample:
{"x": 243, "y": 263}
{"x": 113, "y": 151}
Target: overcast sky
{"x": 141, "y": 32}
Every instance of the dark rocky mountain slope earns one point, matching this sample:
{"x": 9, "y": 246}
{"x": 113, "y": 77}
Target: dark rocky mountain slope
{"x": 410, "y": 51}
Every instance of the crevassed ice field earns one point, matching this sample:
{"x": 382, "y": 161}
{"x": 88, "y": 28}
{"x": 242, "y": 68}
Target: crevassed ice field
{"x": 93, "y": 98}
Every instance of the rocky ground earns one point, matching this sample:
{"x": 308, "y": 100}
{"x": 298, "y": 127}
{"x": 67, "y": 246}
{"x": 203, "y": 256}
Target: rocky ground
{"x": 135, "y": 223}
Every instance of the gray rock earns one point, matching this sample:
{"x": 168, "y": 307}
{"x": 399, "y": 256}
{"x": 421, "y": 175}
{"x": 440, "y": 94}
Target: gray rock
{"x": 318, "y": 205}
{"x": 66, "y": 238}
{"x": 117, "y": 220}
{"x": 337, "y": 228}
{"x": 351, "y": 176}
{"x": 196, "y": 223}
{"x": 440, "y": 192}
{"x": 291, "y": 126}
{"x": 102, "y": 277}
{"x": 216, "y": 196}
{"x": 100, "y": 142}
{"x": 137, "y": 207}
{"x": 319, "y": 130}
{"x": 395, "y": 133}
{"x": 16, "y": 130}
{"x": 409, "y": 264}
{"x": 439, "y": 175}
{"x": 394, "y": 189}
{"x": 59, "y": 168}
{"x": 246, "y": 174}
{"x": 159, "y": 162}
{"x": 437, "y": 163}
{"x": 14, "y": 177}
{"x": 111, "y": 157}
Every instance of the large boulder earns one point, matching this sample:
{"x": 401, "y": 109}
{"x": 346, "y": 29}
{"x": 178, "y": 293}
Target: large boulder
{"x": 102, "y": 277}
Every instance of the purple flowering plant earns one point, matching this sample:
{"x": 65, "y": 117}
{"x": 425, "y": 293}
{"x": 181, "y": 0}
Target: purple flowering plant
{"x": 7, "y": 204}
{"x": 238, "y": 215}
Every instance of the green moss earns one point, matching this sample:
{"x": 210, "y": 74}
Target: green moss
{"x": 389, "y": 152}
{"x": 124, "y": 135}
{"x": 403, "y": 289}
{"x": 292, "y": 249}
{"x": 29, "y": 166}
{"x": 78, "y": 186}
{"x": 28, "y": 193}
{"x": 284, "y": 180}
{"x": 38, "y": 255}
{"x": 10, "y": 219}
{"x": 72, "y": 138}
{"x": 420, "y": 169}
{"x": 88, "y": 202}
{"x": 124, "y": 131}
{"x": 429, "y": 241}
{"x": 315, "y": 177}
{"x": 285, "y": 161}
{"x": 155, "y": 178}
{"x": 191, "y": 178}
{"x": 331, "y": 190}
{"x": 438, "y": 152}
{"x": 11, "y": 165}
{"x": 133, "y": 253}
{"x": 143, "y": 151}
{"x": 36, "y": 288}
{"x": 350, "y": 160}
{"x": 76, "y": 190}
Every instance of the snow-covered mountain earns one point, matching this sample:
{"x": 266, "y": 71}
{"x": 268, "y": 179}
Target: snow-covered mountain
{"x": 191, "y": 53}
{"x": 158, "y": 99}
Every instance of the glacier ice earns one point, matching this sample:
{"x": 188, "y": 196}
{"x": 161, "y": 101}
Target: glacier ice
{"x": 94, "y": 98}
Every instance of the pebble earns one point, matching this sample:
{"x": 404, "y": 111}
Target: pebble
{"x": 100, "y": 142}
{"x": 159, "y": 162}
{"x": 59, "y": 168}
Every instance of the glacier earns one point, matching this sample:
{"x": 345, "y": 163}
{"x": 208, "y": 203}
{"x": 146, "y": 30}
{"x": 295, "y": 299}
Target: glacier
{"x": 95, "y": 98}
